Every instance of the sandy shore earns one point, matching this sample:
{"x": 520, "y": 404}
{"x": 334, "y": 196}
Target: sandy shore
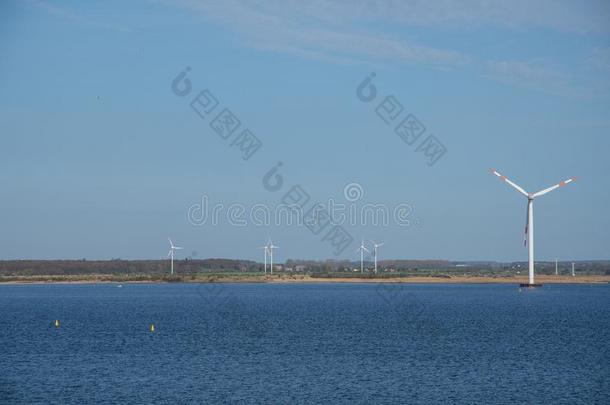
{"x": 460, "y": 280}
{"x": 286, "y": 279}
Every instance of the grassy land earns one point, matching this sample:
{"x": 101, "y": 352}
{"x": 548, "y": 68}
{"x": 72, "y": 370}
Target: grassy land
{"x": 226, "y": 277}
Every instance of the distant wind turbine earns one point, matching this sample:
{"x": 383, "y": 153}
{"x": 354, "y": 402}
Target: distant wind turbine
{"x": 529, "y": 221}
{"x": 172, "y": 249}
{"x": 270, "y": 248}
{"x": 375, "y": 247}
{"x": 362, "y": 249}
{"x": 266, "y": 249}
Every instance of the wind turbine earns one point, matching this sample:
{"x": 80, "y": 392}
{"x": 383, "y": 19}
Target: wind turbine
{"x": 270, "y": 248}
{"x": 362, "y": 249}
{"x": 266, "y": 249}
{"x": 529, "y": 220}
{"x": 375, "y": 247}
{"x": 172, "y": 249}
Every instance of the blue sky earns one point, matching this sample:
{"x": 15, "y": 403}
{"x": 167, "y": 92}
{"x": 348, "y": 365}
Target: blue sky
{"x": 100, "y": 159}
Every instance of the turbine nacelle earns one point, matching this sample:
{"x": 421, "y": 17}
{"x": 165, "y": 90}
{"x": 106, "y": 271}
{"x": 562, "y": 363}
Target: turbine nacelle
{"x": 376, "y": 245}
{"x": 172, "y": 247}
{"x": 362, "y": 248}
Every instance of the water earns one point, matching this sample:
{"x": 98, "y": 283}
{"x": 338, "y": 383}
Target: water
{"x": 346, "y": 343}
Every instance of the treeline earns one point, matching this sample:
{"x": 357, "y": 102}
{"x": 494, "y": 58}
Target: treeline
{"x": 69, "y": 267}
{"x": 190, "y": 266}
{"x": 338, "y": 265}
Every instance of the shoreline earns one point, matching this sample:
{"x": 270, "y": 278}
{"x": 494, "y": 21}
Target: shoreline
{"x": 283, "y": 279}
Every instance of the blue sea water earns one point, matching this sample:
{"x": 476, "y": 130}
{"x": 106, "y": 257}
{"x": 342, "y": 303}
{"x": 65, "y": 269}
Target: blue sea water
{"x": 304, "y": 343}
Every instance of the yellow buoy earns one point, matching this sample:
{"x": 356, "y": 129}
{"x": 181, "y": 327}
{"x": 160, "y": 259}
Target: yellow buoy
{"x": 152, "y": 327}
{"x": 57, "y": 323}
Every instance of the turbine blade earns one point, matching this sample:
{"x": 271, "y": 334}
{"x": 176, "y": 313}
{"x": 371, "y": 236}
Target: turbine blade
{"x": 170, "y": 253}
{"x": 513, "y": 185}
{"x": 548, "y": 190}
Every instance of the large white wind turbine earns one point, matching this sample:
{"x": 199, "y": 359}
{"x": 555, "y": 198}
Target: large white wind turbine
{"x": 172, "y": 249}
{"x": 270, "y": 248}
{"x": 529, "y": 221}
{"x": 362, "y": 249}
{"x": 266, "y": 249}
{"x": 375, "y": 247}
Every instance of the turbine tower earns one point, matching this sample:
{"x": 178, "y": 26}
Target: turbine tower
{"x": 529, "y": 220}
{"x": 362, "y": 249}
{"x": 266, "y": 249}
{"x": 270, "y": 248}
{"x": 375, "y": 247}
{"x": 172, "y": 249}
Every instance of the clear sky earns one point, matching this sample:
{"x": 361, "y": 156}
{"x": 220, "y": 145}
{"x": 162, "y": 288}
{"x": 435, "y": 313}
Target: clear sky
{"x": 100, "y": 158}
